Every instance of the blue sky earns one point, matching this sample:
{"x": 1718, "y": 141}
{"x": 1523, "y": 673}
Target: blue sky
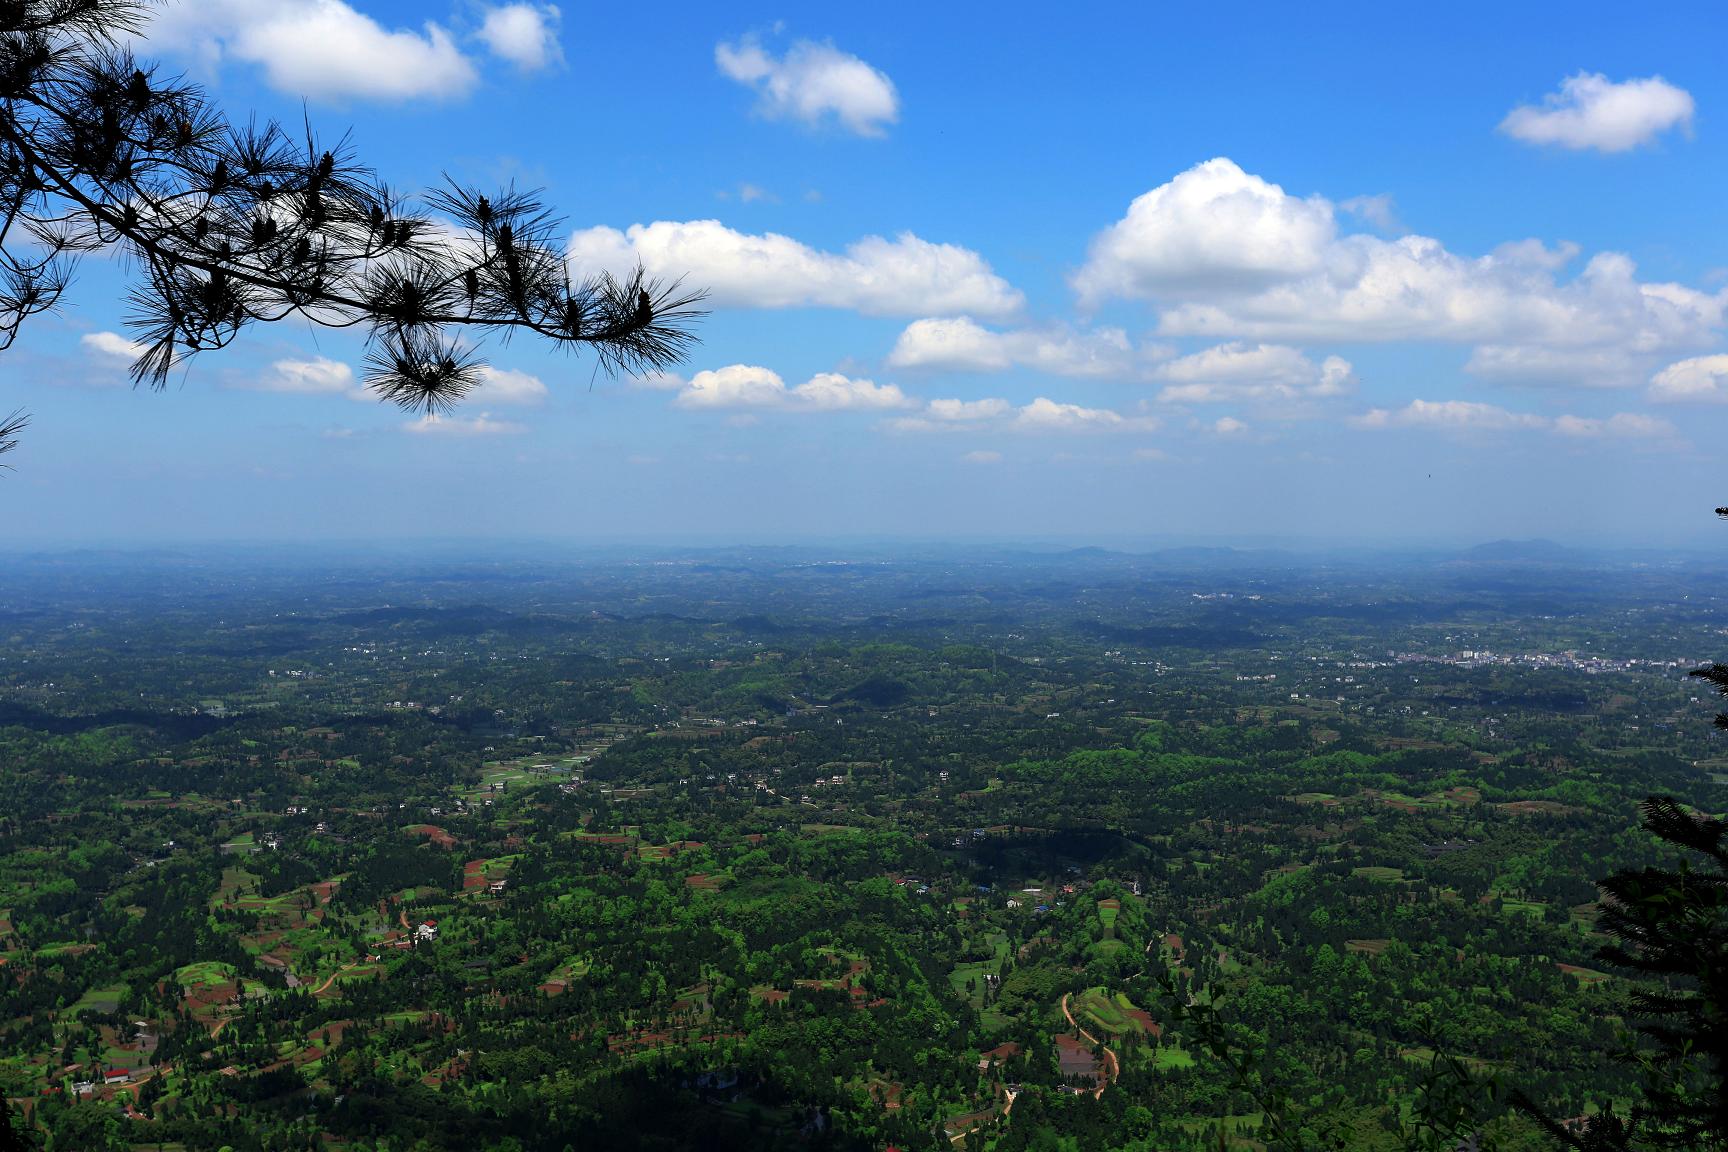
{"x": 1346, "y": 272}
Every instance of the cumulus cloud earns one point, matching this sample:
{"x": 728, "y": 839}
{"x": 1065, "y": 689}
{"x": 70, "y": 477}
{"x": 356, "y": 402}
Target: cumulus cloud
{"x": 1699, "y": 380}
{"x": 463, "y": 426}
{"x": 524, "y": 34}
{"x": 1229, "y": 426}
{"x": 752, "y": 386}
{"x": 111, "y": 344}
{"x": 877, "y": 276}
{"x": 1592, "y": 111}
{"x": 813, "y": 83}
{"x": 1253, "y": 373}
{"x": 961, "y": 344}
{"x": 319, "y": 49}
{"x": 503, "y": 386}
{"x": 1230, "y": 255}
{"x": 1212, "y": 227}
{"x": 1045, "y": 415}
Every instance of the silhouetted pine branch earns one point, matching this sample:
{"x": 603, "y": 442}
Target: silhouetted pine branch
{"x": 10, "y": 427}
{"x": 230, "y": 225}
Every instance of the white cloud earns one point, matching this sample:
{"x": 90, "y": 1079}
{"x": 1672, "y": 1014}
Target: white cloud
{"x": 1229, "y": 426}
{"x": 881, "y": 277}
{"x": 751, "y": 386}
{"x": 1700, "y": 380}
{"x": 1620, "y": 426}
{"x": 982, "y": 456}
{"x": 961, "y": 344}
{"x": 524, "y": 34}
{"x": 503, "y": 386}
{"x": 812, "y": 83}
{"x": 481, "y": 425}
{"x": 1376, "y": 211}
{"x": 1450, "y": 415}
{"x": 1046, "y": 415}
{"x": 1468, "y": 416}
{"x": 1214, "y": 226}
{"x": 1230, "y": 255}
{"x": 1041, "y": 415}
{"x": 735, "y": 386}
{"x": 1532, "y": 364}
{"x": 319, "y": 376}
{"x": 1259, "y": 373}
{"x": 1592, "y": 111}
{"x": 111, "y": 344}
{"x": 967, "y": 410}
{"x": 830, "y": 391}
{"x": 320, "y": 49}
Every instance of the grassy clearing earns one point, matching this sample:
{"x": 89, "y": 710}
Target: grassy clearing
{"x": 103, "y": 1000}
{"x": 204, "y": 973}
{"x": 1379, "y": 873}
{"x": 1108, "y": 910}
{"x": 1171, "y": 1056}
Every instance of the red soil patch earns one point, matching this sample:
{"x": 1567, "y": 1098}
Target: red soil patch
{"x": 1075, "y": 1057}
{"x": 702, "y": 882}
{"x": 435, "y": 835}
{"x": 1144, "y": 1019}
{"x": 1584, "y": 975}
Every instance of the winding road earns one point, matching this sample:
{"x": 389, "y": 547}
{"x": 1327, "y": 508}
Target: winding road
{"x": 1114, "y": 1068}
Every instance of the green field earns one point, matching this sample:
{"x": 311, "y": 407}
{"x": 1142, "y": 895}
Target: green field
{"x": 1379, "y": 873}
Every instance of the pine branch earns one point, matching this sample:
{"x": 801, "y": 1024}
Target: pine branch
{"x": 231, "y": 226}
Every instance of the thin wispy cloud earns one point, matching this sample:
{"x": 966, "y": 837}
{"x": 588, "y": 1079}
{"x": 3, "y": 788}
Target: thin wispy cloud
{"x": 1466, "y": 416}
{"x": 463, "y": 426}
{"x": 961, "y": 344}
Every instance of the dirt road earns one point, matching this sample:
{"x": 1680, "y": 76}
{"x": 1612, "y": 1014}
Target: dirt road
{"x": 1113, "y": 1069}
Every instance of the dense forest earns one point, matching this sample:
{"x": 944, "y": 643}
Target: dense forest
{"x": 785, "y": 850}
